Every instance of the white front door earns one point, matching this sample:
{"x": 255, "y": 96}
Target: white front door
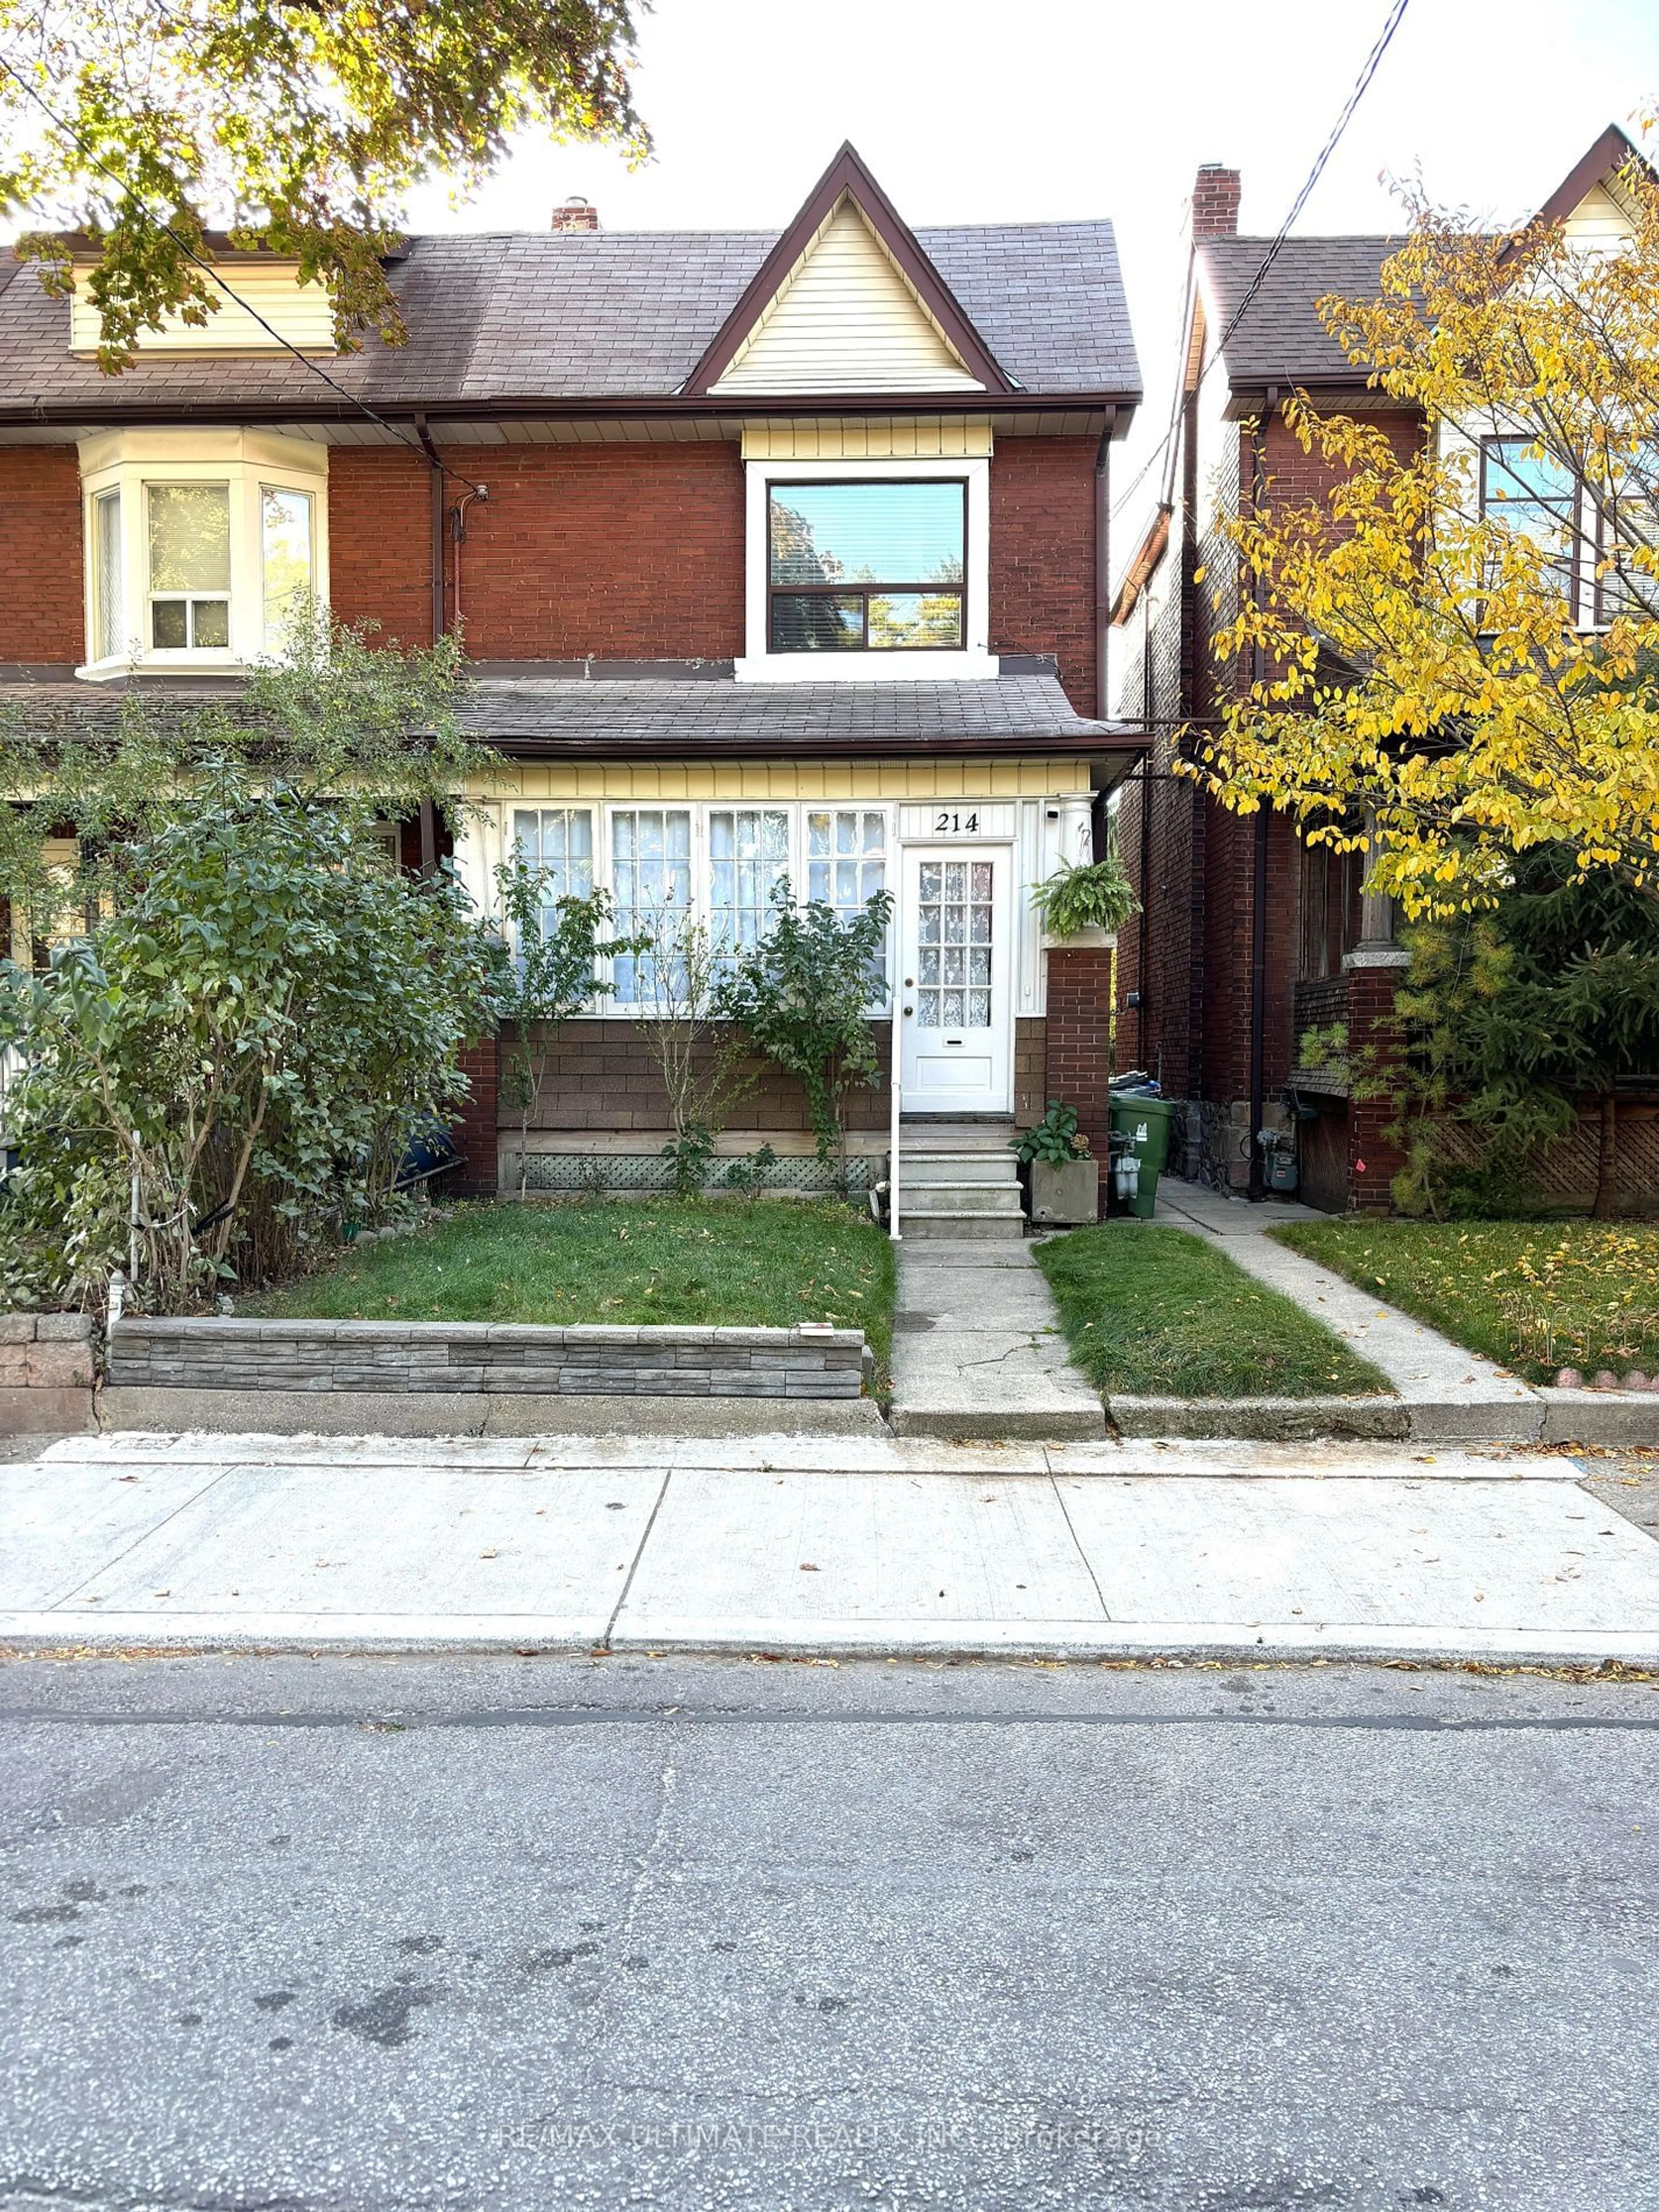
{"x": 956, "y": 976}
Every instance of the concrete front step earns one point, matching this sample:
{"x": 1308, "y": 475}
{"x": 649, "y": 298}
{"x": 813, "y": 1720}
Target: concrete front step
{"x": 932, "y": 1168}
{"x": 961, "y": 1197}
{"x": 936, "y": 1225}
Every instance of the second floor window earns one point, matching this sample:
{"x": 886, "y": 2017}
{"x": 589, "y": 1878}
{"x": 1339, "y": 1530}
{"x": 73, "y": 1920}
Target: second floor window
{"x": 1533, "y": 495}
{"x": 876, "y": 565}
{"x": 189, "y": 557}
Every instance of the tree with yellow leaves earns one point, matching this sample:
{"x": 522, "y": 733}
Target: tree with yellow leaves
{"x": 1455, "y": 655}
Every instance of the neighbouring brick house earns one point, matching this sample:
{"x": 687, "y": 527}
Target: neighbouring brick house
{"x": 788, "y": 556}
{"x": 1248, "y": 939}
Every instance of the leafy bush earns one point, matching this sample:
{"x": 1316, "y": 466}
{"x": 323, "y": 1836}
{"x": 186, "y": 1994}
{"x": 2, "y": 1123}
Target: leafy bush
{"x": 1093, "y": 895}
{"x": 237, "y": 1054}
{"x": 802, "y": 993}
{"x": 1055, "y": 1140}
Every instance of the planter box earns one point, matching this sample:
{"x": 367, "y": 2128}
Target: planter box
{"x": 1093, "y": 939}
{"x": 1064, "y": 1196}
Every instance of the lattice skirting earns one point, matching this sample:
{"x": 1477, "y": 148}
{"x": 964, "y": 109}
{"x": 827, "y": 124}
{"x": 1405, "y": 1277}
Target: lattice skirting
{"x": 1564, "y": 1173}
{"x": 594, "y": 1172}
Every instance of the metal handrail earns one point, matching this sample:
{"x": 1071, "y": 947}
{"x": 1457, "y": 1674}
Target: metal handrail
{"x": 895, "y": 1083}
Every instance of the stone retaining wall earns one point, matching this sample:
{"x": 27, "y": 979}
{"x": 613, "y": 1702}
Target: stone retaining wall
{"x": 405, "y": 1357}
{"x": 45, "y": 1374}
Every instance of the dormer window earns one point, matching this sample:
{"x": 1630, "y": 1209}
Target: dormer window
{"x": 870, "y": 567}
{"x": 202, "y": 547}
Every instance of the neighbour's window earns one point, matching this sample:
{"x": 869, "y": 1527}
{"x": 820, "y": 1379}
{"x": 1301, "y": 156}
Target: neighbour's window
{"x": 108, "y": 640}
{"x": 1627, "y": 523}
{"x": 876, "y": 566}
{"x": 189, "y": 557}
{"x": 651, "y": 887}
{"x": 1536, "y": 496}
{"x": 285, "y": 543}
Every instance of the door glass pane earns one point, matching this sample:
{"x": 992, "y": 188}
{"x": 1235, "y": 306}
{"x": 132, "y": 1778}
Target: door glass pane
{"x": 954, "y": 911}
{"x": 189, "y": 537}
{"x": 108, "y": 638}
{"x": 285, "y": 531}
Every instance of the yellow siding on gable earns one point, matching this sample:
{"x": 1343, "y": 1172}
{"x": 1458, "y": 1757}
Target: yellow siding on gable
{"x": 845, "y": 319}
{"x": 1598, "y": 220}
{"x": 651, "y": 781}
{"x": 914, "y": 438}
{"x": 300, "y": 312}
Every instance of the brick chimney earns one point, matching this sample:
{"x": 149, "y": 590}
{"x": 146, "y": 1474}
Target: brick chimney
{"x": 1215, "y": 202}
{"x": 576, "y": 214}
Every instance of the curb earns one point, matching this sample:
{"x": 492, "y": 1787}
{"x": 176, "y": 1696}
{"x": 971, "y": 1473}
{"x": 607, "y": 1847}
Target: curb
{"x": 1260, "y": 1420}
{"x": 1082, "y": 1640}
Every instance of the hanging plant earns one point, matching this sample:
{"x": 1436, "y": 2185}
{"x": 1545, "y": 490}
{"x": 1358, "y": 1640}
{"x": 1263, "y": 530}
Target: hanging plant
{"x": 1094, "y": 895}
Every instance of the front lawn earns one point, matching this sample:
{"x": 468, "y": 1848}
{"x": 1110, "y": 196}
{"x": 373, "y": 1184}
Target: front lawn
{"x": 1155, "y": 1313}
{"x": 695, "y": 1262}
{"x": 1534, "y": 1296}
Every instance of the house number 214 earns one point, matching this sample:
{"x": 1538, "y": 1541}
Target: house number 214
{"x": 956, "y": 825}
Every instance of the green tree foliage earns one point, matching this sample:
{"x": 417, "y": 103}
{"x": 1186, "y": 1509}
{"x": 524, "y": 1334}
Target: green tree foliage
{"x": 802, "y": 993}
{"x": 299, "y": 129}
{"x": 234, "y": 1058}
{"x": 1523, "y": 1018}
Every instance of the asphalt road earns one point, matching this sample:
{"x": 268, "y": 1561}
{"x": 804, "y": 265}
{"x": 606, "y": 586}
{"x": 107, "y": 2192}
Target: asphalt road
{"x": 282, "y": 1935}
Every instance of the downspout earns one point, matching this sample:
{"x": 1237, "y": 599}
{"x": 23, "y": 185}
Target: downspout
{"x": 429, "y": 813}
{"x": 1102, "y": 550}
{"x": 1259, "y": 871}
{"x": 1143, "y": 964}
{"x": 437, "y": 472}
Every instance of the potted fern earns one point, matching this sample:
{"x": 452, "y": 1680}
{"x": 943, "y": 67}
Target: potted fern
{"x": 1062, "y": 1177}
{"x": 1084, "y": 902}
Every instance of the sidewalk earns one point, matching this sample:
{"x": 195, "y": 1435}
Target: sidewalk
{"x": 796, "y": 1544}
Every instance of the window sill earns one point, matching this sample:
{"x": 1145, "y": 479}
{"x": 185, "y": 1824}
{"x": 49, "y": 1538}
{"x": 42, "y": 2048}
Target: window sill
{"x": 867, "y": 667}
{"x": 208, "y": 661}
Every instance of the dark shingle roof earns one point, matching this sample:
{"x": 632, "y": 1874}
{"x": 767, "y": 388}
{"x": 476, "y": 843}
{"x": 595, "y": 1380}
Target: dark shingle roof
{"x": 1280, "y": 338}
{"x": 552, "y": 716}
{"x": 544, "y": 316}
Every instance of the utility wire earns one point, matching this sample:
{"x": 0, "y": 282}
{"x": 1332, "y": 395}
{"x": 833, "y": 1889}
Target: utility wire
{"x": 157, "y": 222}
{"x": 1361, "y": 85}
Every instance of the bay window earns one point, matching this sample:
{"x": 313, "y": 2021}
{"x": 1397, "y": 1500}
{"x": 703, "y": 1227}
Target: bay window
{"x": 204, "y": 546}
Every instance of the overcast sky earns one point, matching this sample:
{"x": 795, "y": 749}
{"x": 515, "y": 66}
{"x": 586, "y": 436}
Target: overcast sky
{"x": 973, "y": 112}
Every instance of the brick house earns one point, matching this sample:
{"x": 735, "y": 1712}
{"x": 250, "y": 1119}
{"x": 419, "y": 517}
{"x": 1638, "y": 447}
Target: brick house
{"x": 788, "y": 556}
{"x": 1248, "y": 939}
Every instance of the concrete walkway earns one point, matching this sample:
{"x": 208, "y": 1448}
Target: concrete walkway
{"x": 817, "y": 1546}
{"x": 978, "y": 1349}
{"x": 1450, "y": 1395}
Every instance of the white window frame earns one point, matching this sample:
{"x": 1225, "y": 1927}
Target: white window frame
{"x": 248, "y": 463}
{"x": 761, "y": 665}
{"x": 498, "y": 835}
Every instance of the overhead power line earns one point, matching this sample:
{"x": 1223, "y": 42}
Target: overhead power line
{"x": 208, "y": 269}
{"x": 1360, "y": 87}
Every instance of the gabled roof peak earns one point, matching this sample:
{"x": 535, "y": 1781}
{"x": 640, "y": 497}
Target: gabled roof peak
{"x": 847, "y": 178}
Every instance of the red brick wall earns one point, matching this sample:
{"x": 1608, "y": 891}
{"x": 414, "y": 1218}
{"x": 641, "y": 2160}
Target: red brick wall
{"x": 620, "y": 552}
{"x": 1078, "y": 1047}
{"x": 42, "y": 609}
{"x": 475, "y": 1130}
{"x": 1043, "y": 575}
{"x": 380, "y": 541}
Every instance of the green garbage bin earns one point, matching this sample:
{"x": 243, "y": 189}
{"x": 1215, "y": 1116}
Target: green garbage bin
{"x": 1141, "y": 1126}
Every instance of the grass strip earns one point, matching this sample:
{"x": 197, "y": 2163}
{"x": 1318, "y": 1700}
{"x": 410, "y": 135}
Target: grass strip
{"x": 694, "y": 1263}
{"x": 1534, "y": 1296}
{"x": 1157, "y": 1313}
